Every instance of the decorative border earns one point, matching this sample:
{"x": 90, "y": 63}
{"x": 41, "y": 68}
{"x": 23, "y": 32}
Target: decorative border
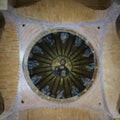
{"x": 26, "y": 73}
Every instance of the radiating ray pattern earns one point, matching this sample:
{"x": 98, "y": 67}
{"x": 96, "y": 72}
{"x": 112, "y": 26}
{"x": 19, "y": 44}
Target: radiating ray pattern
{"x": 61, "y": 65}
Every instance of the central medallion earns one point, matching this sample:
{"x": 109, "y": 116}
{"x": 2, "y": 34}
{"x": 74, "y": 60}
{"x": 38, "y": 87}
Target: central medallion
{"x": 61, "y": 65}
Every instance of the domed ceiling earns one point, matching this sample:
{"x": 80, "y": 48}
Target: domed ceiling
{"x": 61, "y": 65}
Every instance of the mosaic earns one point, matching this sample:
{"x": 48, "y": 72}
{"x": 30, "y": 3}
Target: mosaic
{"x": 61, "y": 65}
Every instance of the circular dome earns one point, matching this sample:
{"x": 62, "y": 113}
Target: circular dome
{"x": 60, "y": 65}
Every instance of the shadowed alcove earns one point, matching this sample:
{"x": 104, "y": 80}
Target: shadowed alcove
{"x": 97, "y": 4}
{"x": 1, "y": 104}
{"x": 118, "y": 25}
{"x": 2, "y": 24}
{"x": 9, "y": 62}
{"x": 22, "y": 3}
{"x": 93, "y": 4}
{"x": 64, "y": 11}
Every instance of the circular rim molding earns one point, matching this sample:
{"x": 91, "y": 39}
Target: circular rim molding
{"x": 62, "y": 67}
